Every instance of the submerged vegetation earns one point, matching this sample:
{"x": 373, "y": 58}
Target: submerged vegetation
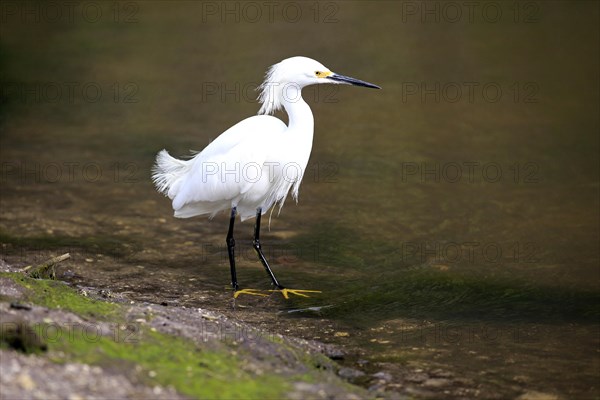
{"x": 400, "y": 284}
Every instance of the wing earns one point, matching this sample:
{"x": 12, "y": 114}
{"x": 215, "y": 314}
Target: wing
{"x": 219, "y": 172}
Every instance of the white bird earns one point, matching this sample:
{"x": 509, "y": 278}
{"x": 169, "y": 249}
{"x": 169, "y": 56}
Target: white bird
{"x": 254, "y": 164}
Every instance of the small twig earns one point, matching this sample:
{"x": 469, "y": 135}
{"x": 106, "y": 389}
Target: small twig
{"x": 45, "y": 270}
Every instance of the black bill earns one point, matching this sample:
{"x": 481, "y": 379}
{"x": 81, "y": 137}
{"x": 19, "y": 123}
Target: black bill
{"x": 351, "y": 81}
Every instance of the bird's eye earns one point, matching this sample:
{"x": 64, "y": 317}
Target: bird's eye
{"x": 318, "y": 73}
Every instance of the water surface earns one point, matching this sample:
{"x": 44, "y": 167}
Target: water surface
{"x": 450, "y": 219}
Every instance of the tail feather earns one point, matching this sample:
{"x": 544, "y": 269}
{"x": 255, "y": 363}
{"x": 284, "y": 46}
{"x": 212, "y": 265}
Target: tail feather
{"x": 166, "y": 173}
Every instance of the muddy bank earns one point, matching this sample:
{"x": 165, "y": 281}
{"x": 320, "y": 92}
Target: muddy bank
{"x": 64, "y": 342}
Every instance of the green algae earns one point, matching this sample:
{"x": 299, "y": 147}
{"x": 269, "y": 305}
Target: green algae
{"x": 58, "y": 295}
{"x": 223, "y": 371}
{"x": 160, "y": 358}
{"x": 170, "y": 361}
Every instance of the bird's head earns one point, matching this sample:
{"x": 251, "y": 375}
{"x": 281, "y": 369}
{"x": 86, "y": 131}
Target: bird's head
{"x": 295, "y": 73}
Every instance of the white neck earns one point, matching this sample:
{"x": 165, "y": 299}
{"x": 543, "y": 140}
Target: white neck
{"x": 300, "y": 129}
{"x": 301, "y": 119}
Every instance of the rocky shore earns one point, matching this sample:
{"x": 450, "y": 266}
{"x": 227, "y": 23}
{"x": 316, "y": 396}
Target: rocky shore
{"x": 58, "y": 341}
{"x": 66, "y": 341}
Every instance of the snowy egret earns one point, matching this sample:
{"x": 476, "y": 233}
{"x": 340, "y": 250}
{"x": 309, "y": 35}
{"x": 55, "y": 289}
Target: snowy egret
{"x": 254, "y": 164}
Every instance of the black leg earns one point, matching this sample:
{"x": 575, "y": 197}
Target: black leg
{"x": 261, "y": 256}
{"x": 231, "y": 250}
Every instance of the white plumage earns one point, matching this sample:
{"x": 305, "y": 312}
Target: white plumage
{"x": 254, "y": 164}
{"x": 238, "y": 169}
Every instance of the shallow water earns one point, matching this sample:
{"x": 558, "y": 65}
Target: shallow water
{"x": 450, "y": 219}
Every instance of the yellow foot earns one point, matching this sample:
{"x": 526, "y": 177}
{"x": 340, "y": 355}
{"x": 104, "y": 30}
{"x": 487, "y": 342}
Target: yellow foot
{"x": 297, "y": 292}
{"x": 253, "y": 292}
